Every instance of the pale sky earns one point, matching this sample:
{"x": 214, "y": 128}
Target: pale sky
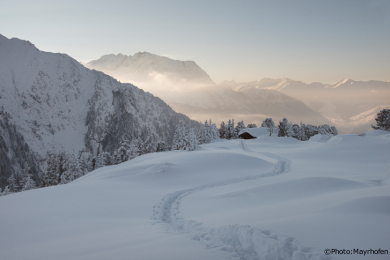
{"x": 323, "y": 41}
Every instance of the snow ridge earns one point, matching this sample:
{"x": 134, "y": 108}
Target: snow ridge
{"x": 237, "y": 241}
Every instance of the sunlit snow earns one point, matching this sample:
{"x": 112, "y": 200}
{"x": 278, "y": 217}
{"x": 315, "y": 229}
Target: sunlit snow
{"x": 264, "y": 198}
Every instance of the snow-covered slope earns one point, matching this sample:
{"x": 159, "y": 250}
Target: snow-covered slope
{"x": 266, "y": 198}
{"x": 344, "y": 103}
{"x": 59, "y": 105}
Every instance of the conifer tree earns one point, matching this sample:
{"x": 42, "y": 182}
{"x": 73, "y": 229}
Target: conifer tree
{"x": 123, "y": 152}
{"x": 27, "y": 183}
{"x": 150, "y": 144}
{"x": 223, "y": 131}
{"x": 285, "y": 128}
{"x": 12, "y": 183}
{"x": 162, "y": 146}
{"x": 239, "y": 127}
{"x": 382, "y": 120}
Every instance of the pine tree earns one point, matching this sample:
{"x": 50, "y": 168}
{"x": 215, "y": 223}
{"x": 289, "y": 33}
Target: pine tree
{"x": 50, "y": 176}
{"x": 230, "y": 131}
{"x": 283, "y": 127}
{"x": 178, "y": 138}
{"x": 123, "y": 152}
{"x": 239, "y": 127}
{"x": 295, "y": 130}
{"x": 56, "y": 166}
{"x": 150, "y": 144}
{"x": 382, "y": 120}
{"x": 25, "y": 173}
{"x": 223, "y": 131}
{"x": 162, "y": 146}
{"x": 6, "y": 191}
{"x": 310, "y": 130}
{"x": 27, "y": 183}
{"x": 214, "y": 133}
{"x": 137, "y": 148}
{"x": 302, "y": 133}
{"x": 191, "y": 141}
{"x": 100, "y": 160}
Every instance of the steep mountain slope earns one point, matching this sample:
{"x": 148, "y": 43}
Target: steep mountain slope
{"x": 351, "y": 105}
{"x": 57, "y": 104}
{"x": 189, "y": 90}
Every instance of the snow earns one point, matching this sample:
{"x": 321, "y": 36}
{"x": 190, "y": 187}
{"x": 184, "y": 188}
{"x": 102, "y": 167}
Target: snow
{"x": 264, "y": 198}
{"x": 341, "y": 82}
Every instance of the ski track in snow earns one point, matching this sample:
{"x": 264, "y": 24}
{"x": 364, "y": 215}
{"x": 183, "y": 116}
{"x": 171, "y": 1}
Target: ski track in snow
{"x": 237, "y": 241}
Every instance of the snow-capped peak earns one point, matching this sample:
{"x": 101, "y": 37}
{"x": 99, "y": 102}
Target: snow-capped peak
{"x": 342, "y": 82}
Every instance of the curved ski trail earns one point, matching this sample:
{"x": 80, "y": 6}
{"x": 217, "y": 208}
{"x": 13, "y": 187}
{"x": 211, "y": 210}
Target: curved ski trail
{"x": 238, "y": 241}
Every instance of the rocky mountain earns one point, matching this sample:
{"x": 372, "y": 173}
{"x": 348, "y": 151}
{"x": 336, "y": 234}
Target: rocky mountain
{"x": 155, "y": 74}
{"x": 144, "y": 65}
{"x": 50, "y": 102}
{"x": 350, "y": 105}
{"x": 189, "y": 90}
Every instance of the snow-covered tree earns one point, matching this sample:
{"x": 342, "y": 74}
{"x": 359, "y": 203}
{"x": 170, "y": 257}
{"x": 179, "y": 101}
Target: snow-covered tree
{"x": 268, "y": 123}
{"x": 6, "y": 191}
{"x": 223, "y": 131}
{"x": 302, "y": 133}
{"x": 214, "y": 132}
{"x": 179, "y": 138}
{"x": 230, "y": 130}
{"x": 252, "y": 126}
{"x": 239, "y": 127}
{"x": 162, "y": 146}
{"x": 27, "y": 183}
{"x": 100, "y": 160}
{"x": 191, "y": 141}
{"x": 151, "y": 144}
{"x": 56, "y": 165}
{"x": 184, "y": 138}
{"x": 382, "y": 120}
{"x": 25, "y": 173}
{"x": 137, "y": 148}
{"x": 327, "y": 130}
{"x": 13, "y": 185}
{"x": 296, "y": 130}
{"x": 123, "y": 152}
{"x": 311, "y": 130}
{"x": 285, "y": 128}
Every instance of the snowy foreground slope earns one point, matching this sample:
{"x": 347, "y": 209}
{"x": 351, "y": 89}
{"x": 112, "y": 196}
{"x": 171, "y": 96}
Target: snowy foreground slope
{"x": 266, "y": 198}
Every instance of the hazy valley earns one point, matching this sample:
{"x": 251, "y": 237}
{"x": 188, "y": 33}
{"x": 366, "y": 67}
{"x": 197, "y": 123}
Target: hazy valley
{"x": 348, "y": 104}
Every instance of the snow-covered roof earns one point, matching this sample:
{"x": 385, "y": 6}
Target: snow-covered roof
{"x": 255, "y": 132}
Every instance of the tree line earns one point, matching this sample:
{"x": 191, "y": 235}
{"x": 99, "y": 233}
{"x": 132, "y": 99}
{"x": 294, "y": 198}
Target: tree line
{"x": 62, "y": 168}
{"x": 300, "y": 131}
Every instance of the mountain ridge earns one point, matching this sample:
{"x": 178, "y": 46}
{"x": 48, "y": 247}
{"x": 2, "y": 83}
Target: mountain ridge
{"x": 56, "y": 104}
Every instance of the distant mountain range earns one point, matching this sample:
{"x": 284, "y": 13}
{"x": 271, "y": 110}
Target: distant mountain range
{"x": 50, "y": 102}
{"x": 188, "y": 89}
{"x": 350, "y": 105}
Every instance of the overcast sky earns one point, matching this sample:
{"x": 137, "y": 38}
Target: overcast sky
{"x": 240, "y": 40}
